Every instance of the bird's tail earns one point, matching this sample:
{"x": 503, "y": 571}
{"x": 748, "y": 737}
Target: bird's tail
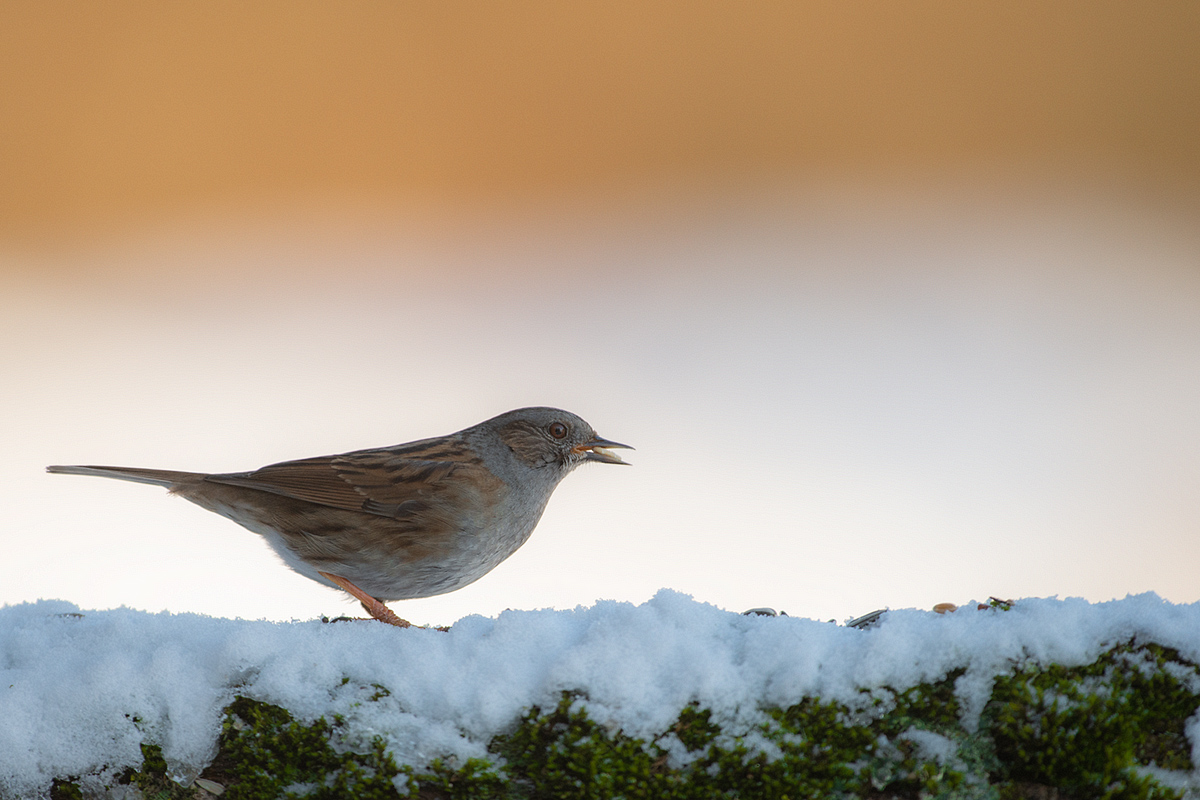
{"x": 158, "y": 477}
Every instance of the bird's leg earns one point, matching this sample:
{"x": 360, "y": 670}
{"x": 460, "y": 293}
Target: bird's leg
{"x": 373, "y": 606}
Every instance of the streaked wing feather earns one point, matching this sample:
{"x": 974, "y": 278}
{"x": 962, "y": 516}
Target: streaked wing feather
{"x": 312, "y": 479}
{"x": 380, "y": 482}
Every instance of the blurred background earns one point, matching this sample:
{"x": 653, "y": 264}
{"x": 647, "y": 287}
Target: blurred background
{"x": 900, "y": 303}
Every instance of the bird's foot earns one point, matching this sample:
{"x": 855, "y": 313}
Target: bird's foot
{"x": 373, "y": 606}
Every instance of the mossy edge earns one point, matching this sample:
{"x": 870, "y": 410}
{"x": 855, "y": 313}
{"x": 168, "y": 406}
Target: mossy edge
{"x": 1086, "y": 732}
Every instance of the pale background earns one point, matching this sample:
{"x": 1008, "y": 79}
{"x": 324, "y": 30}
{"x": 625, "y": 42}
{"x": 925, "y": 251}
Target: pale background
{"x": 899, "y": 304}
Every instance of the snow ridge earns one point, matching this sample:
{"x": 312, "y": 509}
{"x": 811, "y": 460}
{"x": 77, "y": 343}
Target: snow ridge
{"x": 80, "y": 691}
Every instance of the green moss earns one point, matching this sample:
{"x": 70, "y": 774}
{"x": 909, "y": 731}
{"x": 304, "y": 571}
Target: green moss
{"x": 934, "y": 708}
{"x": 65, "y": 790}
{"x": 929, "y": 706}
{"x": 478, "y": 779}
{"x": 808, "y": 750}
{"x": 152, "y": 778}
{"x": 695, "y": 728}
{"x": 1081, "y": 732}
{"x": 1086, "y": 730}
{"x": 265, "y": 753}
{"x": 564, "y": 754}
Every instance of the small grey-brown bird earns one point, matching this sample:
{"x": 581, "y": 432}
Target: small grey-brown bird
{"x": 413, "y": 520}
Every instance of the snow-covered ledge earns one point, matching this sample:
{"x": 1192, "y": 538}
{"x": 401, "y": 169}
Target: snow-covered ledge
{"x": 82, "y": 692}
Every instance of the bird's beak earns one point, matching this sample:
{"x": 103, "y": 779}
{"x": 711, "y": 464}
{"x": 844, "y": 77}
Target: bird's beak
{"x": 600, "y": 450}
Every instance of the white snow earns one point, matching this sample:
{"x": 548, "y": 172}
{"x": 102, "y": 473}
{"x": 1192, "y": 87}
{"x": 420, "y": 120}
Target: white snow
{"x": 80, "y": 693}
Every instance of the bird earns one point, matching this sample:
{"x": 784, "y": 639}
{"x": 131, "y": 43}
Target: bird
{"x": 395, "y": 523}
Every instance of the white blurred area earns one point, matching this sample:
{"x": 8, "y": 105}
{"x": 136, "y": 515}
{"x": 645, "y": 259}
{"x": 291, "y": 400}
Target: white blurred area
{"x": 839, "y": 402}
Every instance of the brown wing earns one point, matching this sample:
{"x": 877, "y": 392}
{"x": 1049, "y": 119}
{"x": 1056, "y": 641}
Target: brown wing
{"x": 391, "y": 482}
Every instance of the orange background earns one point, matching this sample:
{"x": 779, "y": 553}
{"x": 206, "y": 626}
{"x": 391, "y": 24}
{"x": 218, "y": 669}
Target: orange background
{"x": 117, "y": 115}
{"x": 888, "y": 295}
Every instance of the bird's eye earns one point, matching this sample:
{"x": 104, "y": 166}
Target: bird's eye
{"x": 558, "y": 430}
